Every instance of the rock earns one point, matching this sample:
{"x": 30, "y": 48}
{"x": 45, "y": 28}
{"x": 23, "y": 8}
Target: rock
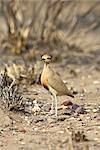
{"x": 80, "y": 110}
{"x": 46, "y": 108}
{"x": 95, "y": 110}
{"x": 96, "y": 82}
{"x": 23, "y": 130}
{"x": 67, "y": 103}
{"x": 74, "y": 107}
{"x": 35, "y": 129}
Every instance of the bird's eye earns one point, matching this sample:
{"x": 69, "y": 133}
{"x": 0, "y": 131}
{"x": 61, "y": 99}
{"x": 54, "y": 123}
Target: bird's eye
{"x": 49, "y": 58}
{"x": 43, "y": 59}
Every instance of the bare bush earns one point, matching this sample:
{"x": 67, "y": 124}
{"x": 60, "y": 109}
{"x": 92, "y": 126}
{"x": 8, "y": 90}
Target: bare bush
{"x": 47, "y": 22}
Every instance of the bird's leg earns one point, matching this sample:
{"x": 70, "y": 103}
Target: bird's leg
{"x": 52, "y": 106}
{"x": 55, "y": 97}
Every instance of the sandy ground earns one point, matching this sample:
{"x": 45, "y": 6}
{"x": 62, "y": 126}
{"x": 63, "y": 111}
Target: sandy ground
{"x": 79, "y": 67}
{"x": 41, "y": 131}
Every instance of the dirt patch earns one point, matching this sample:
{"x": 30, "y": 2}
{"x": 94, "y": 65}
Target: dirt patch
{"x": 21, "y": 130}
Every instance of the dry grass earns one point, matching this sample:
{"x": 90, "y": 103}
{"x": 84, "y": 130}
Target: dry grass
{"x": 51, "y": 24}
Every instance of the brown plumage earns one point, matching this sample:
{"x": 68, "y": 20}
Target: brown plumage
{"x": 52, "y": 81}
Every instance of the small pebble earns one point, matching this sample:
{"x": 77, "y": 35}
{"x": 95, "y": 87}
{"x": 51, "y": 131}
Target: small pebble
{"x": 71, "y": 118}
{"x": 35, "y": 129}
{"x": 61, "y": 132}
{"x": 23, "y": 130}
{"x": 23, "y": 143}
{"x": 26, "y": 118}
{"x": 67, "y": 103}
{"x": 80, "y": 110}
{"x": 21, "y": 139}
{"x": 88, "y": 117}
{"x": 88, "y": 110}
{"x": 96, "y": 139}
{"x": 14, "y": 133}
{"x": 96, "y": 82}
{"x": 46, "y": 107}
{"x": 75, "y": 106}
{"x": 95, "y": 110}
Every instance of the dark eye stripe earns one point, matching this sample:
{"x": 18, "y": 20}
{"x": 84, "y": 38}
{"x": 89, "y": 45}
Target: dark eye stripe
{"x": 43, "y": 59}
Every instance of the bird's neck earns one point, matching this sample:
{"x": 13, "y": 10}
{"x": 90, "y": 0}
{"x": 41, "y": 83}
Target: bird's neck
{"x": 46, "y": 66}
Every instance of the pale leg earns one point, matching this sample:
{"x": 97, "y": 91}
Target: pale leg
{"x": 52, "y": 106}
{"x": 55, "y": 104}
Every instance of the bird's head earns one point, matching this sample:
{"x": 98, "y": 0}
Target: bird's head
{"x": 46, "y": 58}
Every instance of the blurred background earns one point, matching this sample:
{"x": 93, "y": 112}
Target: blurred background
{"x": 68, "y": 30}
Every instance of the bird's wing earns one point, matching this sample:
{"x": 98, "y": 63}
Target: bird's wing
{"x": 57, "y": 84}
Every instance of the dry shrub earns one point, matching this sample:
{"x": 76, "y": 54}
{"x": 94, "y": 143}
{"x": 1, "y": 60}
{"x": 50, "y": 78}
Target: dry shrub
{"x": 49, "y": 23}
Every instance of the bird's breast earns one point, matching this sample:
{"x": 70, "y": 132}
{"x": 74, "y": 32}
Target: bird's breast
{"x": 44, "y": 80}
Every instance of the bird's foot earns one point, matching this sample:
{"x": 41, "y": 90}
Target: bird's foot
{"x": 52, "y": 112}
{"x": 53, "y": 115}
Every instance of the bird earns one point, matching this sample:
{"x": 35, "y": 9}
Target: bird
{"x": 52, "y": 81}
